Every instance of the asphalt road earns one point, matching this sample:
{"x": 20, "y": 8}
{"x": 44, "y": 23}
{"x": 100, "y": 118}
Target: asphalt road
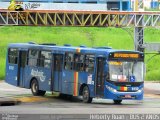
{"x": 51, "y": 104}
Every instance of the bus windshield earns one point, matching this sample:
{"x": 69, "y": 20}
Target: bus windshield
{"x": 126, "y": 71}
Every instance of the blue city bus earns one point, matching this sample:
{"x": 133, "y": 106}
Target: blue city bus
{"x": 99, "y": 72}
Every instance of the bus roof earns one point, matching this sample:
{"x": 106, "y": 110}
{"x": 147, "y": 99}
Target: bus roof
{"x": 95, "y": 50}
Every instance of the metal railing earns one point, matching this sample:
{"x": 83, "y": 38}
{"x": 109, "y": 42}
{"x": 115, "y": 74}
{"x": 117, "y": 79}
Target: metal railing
{"x": 80, "y": 18}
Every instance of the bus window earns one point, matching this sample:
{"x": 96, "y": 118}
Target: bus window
{"x": 68, "y": 65}
{"x": 45, "y": 59}
{"x": 13, "y": 55}
{"x": 33, "y": 57}
{"x": 89, "y": 63}
{"x": 79, "y": 62}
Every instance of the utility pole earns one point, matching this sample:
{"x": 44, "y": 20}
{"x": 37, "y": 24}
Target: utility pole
{"x": 139, "y": 31}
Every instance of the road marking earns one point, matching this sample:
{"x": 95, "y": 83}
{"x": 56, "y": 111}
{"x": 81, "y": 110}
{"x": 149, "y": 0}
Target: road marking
{"x": 8, "y": 89}
{"x": 152, "y": 95}
{"x": 32, "y": 99}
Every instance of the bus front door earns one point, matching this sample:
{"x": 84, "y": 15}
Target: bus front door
{"x": 21, "y": 68}
{"x": 100, "y": 77}
{"x": 57, "y": 72}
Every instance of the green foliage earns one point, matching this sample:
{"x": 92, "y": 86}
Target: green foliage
{"x": 116, "y": 38}
{"x": 153, "y": 75}
{"x": 152, "y": 9}
{"x": 2, "y": 70}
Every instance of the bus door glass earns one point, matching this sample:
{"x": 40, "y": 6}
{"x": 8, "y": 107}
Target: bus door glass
{"x": 100, "y": 77}
{"x": 57, "y": 71}
{"x": 21, "y": 68}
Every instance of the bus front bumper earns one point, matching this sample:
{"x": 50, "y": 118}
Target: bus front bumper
{"x": 111, "y": 93}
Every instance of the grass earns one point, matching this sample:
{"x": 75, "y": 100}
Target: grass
{"x": 2, "y": 62}
{"x": 153, "y": 9}
{"x": 75, "y": 36}
{"x": 117, "y": 38}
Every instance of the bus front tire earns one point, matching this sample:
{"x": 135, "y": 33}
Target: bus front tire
{"x": 117, "y": 101}
{"x": 35, "y": 89}
{"x": 86, "y": 95}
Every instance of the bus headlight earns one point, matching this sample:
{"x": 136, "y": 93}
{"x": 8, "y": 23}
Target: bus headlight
{"x": 140, "y": 90}
{"x": 111, "y": 89}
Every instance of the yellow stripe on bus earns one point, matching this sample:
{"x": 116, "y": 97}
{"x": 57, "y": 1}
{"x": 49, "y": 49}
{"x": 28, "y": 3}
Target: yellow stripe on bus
{"x": 78, "y": 50}
{"x": 75, "y": 89}
{"x": 125, "y": 88}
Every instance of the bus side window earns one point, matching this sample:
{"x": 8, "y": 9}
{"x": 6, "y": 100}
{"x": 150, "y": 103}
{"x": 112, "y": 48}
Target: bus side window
{"x": 68, "y": 63}
{"x": 89, "y": 63}
{"x": 13, "y": 56}
{"x": 45, "y": 59}
{"x": 79, "y": 62}
{"x": 33, "y": 57}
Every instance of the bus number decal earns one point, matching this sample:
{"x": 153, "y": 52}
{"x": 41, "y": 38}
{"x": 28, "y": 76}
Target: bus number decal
{"x": 38, "y": 74}
{"x": 64, "y": 74}
{"x": 135, "y": 88}
{"x": 89, "y": 80}
{"x": 11, "y": 67}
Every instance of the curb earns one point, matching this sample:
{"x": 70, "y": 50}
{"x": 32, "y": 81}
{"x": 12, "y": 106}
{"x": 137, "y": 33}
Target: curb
{"x": 1, "y": 81}
{"x": 152, "y": 81}
{"x": 152, "y": 95}
{"x": 8, "y": 102}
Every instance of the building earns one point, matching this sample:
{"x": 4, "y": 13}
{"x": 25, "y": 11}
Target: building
{"x": 118, "y": 5}
{"x": 152, "y": 4}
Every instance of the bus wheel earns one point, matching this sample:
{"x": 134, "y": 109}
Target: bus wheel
{"x": 86, "y": 95}
{"x": 117, "y": 101}
{"x": 35, "y": 89}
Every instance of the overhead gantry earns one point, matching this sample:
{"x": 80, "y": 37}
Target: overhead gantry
{"x": 138, "y": 20}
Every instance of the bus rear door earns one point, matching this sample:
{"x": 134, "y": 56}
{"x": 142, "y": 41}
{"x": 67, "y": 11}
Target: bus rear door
{"x": 100, "y": 77}
{"x": 21, "y": 68}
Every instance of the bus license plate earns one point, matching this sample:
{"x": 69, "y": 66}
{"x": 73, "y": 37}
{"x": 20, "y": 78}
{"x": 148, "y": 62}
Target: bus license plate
{"x": 128, "y": 96}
